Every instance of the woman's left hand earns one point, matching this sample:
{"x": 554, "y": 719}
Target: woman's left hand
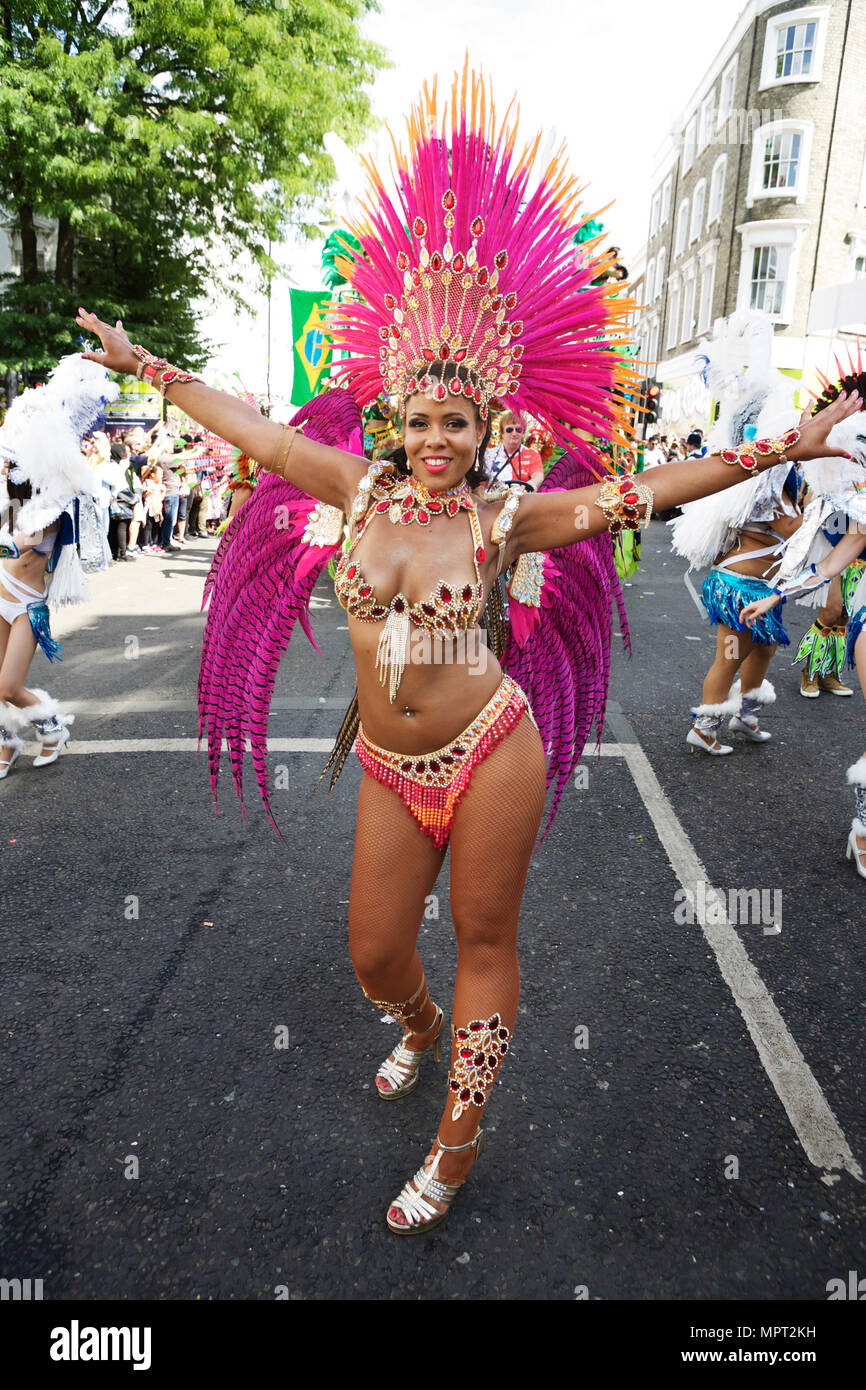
{"x": 753, "y": 611}
{"x": 814, "y": 429}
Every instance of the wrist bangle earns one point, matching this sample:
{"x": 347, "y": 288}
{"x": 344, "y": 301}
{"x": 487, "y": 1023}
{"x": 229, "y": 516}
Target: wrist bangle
{"x": 621, "y": 499}
{"x": 747, "y": 455}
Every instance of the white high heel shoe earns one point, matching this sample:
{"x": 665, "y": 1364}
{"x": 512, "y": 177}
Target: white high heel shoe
{"x": 63, "y": 737}
{"x": 7, "y": 764}
{"x": 852, "y": 851}
{"x": 740, "y": 724}
{"x": 715, "y": 749}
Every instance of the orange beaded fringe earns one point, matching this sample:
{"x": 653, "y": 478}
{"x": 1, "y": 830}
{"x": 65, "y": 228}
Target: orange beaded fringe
{"x": 431, "y": 784}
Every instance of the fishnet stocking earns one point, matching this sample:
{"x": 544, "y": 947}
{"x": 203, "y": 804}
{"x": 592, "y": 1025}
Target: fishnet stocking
{"x": 394, "y": 869}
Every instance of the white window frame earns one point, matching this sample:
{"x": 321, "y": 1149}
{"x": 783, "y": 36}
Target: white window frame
{"x": 796, "y": 194}
{"x": 690, "y": 138}
{"x": 699, "y": 205}
{"x": 651, "y": 280}
{"x": 706, "y": 121}
{"x": 720, "y": 164}
{"x": 778, "y": 231}
{"x": 655, "y": 207}
{"x": 690, "y": 278}
{"x": 682, "y": 226}
{"x": 726, "y": 104}
{"x": 667, "y": 192}
{"x": 707, "y": 257}
{"x": 809, "y": 14}
{"x": 653, "y": 341}
{"x": 674, "y": 307}
{"x": 660, "y": 273}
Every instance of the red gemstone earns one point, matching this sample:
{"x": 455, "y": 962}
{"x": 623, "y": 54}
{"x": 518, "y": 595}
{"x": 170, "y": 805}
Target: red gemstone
{"x": 406, "y": 767}
{"x": 468, "y": 389}
{"x": 465, "y": 1093}
{"x": 492, "y": 1059}
{"x": 479, "y": 1059}
{"x": 447, "y": 758}
{"x": 365, "y": 591}
{"x": 452, "y": 506}
{"x": 429, "y": 356}
{"x": 511, "y": 300}
{"x": 413, "y": 386}
{"x": 467, "y": 592}
{"x": 459, "y": 355}
{"x": 445, "y": 594}
{"x": 479, "y": 554}
{"x": 482, "y": 275}
{"x": 434, "y": 505}
{"x": 517, "y": 351}
{"x": 459, "y": 751}
{"x": 500, "y": 260}
{"x": 434, "y": 765}
{"x": 517, "y": 328}
{"x": 477, "y": 227}
{"x": 353, "y": 569}
{"x": 416, "y": 278}
{"x": 455, "y": 1085}
{"x": 436, "y": 262}
{"x": 423, "y": 516}
{"x": 440, "y": 391}
{"x": 493, "y": 1022}
{"x": 419, "y": 227}
{"x": 402, "y": 260}
{"x": 626, "y": 485}
{"x": 378, "y": 611}
{"x": 398, "y": 605}
{"x": 476, "y": 395}
{"x": 631, "y": 498}
{"x": 496, "y": 304}
{"x": 383, "y": 506}
{"x": 428, "y": 609}
{"x": 444, "y": 351}
{"x": 419, "y": 766}
{"x": 466, "y": 1052}
{"x": 503, "y": 1033}
{"x": 478, "y": 1097}
{"x": 449, "y": 201}
{"x": 458, "y": 265}
{"x": 503, "y": 1047}
{"x": 462, "y": 1034}
{"x": 455, "y": 386}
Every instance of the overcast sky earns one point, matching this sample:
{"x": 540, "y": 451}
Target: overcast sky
{"x": 611, "y": 78}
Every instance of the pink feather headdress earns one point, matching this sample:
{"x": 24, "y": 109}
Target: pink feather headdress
{"x": 472, "y": 266}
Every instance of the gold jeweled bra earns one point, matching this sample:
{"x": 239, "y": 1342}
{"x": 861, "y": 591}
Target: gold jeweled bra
{"x": 447, "y": 610}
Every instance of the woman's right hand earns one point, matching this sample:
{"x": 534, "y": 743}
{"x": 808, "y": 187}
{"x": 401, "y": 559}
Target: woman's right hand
{"x": 116, "y": 353}
{"x": 814, "y": 429}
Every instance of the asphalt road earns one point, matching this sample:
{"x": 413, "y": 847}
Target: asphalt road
{"x": 157, "y": 1143}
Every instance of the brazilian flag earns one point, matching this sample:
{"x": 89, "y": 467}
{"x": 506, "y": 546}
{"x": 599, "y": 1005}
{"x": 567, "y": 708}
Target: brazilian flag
{"x": 312, "y": 346}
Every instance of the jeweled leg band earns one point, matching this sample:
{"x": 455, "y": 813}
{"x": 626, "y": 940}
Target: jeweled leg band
{"x": 481, "y": 1046}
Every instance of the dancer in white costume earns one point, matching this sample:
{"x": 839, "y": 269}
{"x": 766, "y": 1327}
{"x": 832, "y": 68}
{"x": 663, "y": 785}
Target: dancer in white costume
{"x": 49, "y": 536}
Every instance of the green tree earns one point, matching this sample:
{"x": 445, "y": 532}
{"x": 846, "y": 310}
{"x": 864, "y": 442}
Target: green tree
{"x": 154, "y": 130}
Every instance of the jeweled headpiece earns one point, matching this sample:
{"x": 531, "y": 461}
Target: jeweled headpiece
{"x": 473, "y": 265}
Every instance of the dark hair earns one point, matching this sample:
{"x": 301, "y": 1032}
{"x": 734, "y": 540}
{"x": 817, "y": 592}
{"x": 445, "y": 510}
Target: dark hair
{"x": 446, "y": 372}
{"x": 695, "y": 439}
{"x": 119, "y": 450}
{"x": 18, "y": 492}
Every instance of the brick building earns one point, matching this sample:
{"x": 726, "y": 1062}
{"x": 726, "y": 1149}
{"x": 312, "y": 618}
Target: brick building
{"x": 759, "y": 195}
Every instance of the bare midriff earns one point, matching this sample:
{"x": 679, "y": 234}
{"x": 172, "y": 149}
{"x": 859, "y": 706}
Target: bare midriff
{"x": 750, "y": 541}
{"x": 447, "y": 681}
{"x": 29, "y": 568}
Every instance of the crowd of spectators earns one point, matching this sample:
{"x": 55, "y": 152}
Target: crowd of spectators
{"x": 158, "y": 489}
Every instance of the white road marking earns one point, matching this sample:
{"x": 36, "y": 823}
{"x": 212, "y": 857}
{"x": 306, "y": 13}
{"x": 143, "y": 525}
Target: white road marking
{"x": 805, "y": 1104}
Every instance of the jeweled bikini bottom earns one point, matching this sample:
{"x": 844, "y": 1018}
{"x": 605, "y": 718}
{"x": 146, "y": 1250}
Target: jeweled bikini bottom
{"x": 431, "y": 784}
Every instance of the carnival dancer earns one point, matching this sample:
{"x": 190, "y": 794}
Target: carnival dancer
{"x": 50, "y": 532}
{"x": 838, "y": 506}
{"x": 821, "y": 651}
{"x": 466, "y": 295}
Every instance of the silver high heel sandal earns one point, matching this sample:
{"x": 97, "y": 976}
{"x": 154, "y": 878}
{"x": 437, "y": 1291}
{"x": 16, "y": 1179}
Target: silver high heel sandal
{"x": 415, "y": 1202}
{"x": 402, "y": 1065}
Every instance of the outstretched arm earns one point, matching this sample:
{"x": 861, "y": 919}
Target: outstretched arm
{"x": 331, "y": 475}
{"x": 814, "y": 577}
{"x": 548, "y": 520}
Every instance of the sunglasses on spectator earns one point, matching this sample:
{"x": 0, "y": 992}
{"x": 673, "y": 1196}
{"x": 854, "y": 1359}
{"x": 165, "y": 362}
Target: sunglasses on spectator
{"x": 514, "y": 429}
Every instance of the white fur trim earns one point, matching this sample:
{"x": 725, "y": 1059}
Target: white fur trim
{"x": 727, "y": 707}
{"x": 46, "y": 708}
{"x": 765, "y": 694}
{"x": 856, "y": 774}
{"x": 13, "y": 717}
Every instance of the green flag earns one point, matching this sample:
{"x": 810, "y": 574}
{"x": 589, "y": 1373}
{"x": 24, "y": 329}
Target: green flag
{"x": 311, "y": 358}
